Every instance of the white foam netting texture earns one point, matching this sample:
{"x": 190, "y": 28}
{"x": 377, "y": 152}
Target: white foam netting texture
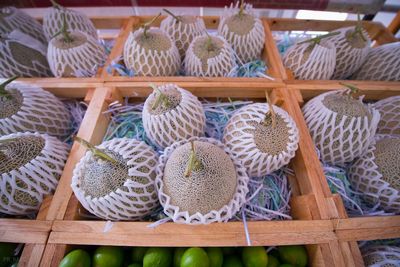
{"x": 187, "y": 119}
{"x": 382, "y": 64}
{"x": 76, "y": 21}
{"x": 381, "y": 256}
{"x": 248, "y": 47}
{"x": 389, "y": 108}
{"x": 134, "y": 199}
{"x": 40, "y": 112}
{"x": 339, "y": 139}
{"x": 19, "y": 20}
{"x": 348, "y": 58}
{"x": 222, "y": 215}
{"x": 22, "y": 55}
{"x": 183, "y": 33}
{"x": 153, "y": 62}
{"x": 365, "y": 177}
{"x": 79, "y": 61}
{"x": 218, "y": 66}
{"x": 35, "y": 179}
{"x": 318, "y": 65}
{"x": 239, "y": 137}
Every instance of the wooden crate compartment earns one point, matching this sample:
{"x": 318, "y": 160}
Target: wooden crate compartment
{"x": 377, "y": 32}
{"x": 211, "y": 22}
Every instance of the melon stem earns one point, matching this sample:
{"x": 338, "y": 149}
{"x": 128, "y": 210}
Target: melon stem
{"x": 146, "y": 26}
{"x": 96, "y": 151}
{"x": 173, "y": 15}
{"x": 270, "y": 114}
{"x": 3, "y": 91}
{"x": 241, "y": 8}
{"x": 209, "y": 44}
{"x": 358, "y": 29}
{"x": 64, "y": 31}
{"x": 351, "y": 89}
{"x": 55, "y": 4}
{"x": 317, "y": 40}
{"x": 161, "y": 98}
{"x": 194, "y": 163}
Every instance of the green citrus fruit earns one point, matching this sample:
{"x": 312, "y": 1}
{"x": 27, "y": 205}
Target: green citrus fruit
{"x": 137, "y": 254}
{"x": 215, "y": 256}
{"x": 76, "y": 258}
{"x": 195, "y": 257}
{"x": 254, "y": 257}
{"x": 135, "y": 265}
{"x": 295, "y": 255}
{"x": 272, "y": 261}
{"x": 232, "y": 261}
{"x": 178, "y": 253}
{"x": 157, "y": 257}
{"x": 108, "y": 256}
{"x": 7, "y": 253}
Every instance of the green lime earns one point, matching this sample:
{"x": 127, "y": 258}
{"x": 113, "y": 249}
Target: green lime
{"x": 137, "y": 254}
{"x": 229, "y": 250}
{"x": 254, "y": 257}
{"x": 7, "y": 253}
{"x": 178, "y": 256}
{"x": 135, "y": 265}
{"x": 232, "y": 261}
{"x": 108, "y": 257}
{"x": 286, "y": 265}
{"x": 195, "y": 257}
{"x": 272, "y": 261}
{"x": 157, "y": 257}
{"x": 295, "y": 255}
{"x": 76, "y": 258}
{"x": 215, "y": 256}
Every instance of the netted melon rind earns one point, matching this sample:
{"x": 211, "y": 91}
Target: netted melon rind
{"x": 184, "y": 121}
{"x": 248, "y": 47}
{"x": 127, "y": 204}
{"x": 222, "y": 215}
{"x": 238, "y": 136}
{"x": 183, "y": 33}
{"x": 365, "y": 177}
{"x": 337, "y": 143}
{"x": 21, "y": 21}
{"x": 40, "y": 112}
{"x": 381, "y": 256}
{"x": 382, "y": 64}
{"x": 151, "y": 63}
{"x": 37, "y": 178}
{"x": 218, "y": 66}
{"x": 80, "y": 61}
{"x": 19, "y": 58}
{"x": 76, "y": 21}
{"x": 389, "y": 108}
{"x": 319, "y": 64}
{"x": 348, "y": 58}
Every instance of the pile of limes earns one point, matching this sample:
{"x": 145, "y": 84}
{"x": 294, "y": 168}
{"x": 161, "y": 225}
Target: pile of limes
{"x": 107, "y": 256}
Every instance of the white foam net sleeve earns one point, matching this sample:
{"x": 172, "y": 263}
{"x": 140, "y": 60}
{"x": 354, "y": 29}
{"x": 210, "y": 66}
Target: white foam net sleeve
{"x": 40, "y": 112}
{"x": 21, "y": 56}
{"x": 187, "y": 119}
{"x": 239, "y": 137}
{"x": 319, "y": 64}
{"x": 381, "y": 256}
{"x": 80, "y": 61}
{"x": 339, "y": 139}
{"x": 76, "y": 21}
{"x": 389, "y": 108}
{"x": 219, "y": 66}
{"x": 16, "y": 19}
{"x": 137, "y": 199}
{"x": 348, "y": 58}
{"x": 222, "y": 215}
{"x": 151, "y": 63}
{"x": 248, "y": 47}
{"x": 365, "y": 177}
{"x": 35, "y": 179}
{"x": 183, "y": 33}
{"x": 382, "y": 64}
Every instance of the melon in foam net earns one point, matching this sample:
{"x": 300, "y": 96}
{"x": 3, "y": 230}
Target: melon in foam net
{"x": 342, "y": 127}
{"x": 199, "y": 182}
{"x": 115, "y": 181}
{"x": 243, "y": 31}
{"x": 389, "y": 108}
{"x": 263, "y": 145}
{"x": 30, "y": 166}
